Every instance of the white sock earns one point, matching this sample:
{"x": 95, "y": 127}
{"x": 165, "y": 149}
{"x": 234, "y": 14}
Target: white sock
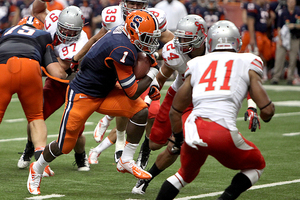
{"x": 253, "y": 174}
{"x": 177, "y": 181}
{"x": 128, "y": 152}
{"x": 107, "y": 119}
{"x": 120, "y": 143}
{"x": 103, "y": 145}
{"x": 40, "y": 165}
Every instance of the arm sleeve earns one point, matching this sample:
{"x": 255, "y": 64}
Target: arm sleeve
{"x": 49, "y": 56}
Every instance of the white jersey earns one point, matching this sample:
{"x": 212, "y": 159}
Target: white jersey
{"x": 68, "y": 50}
{"x": 113, "y": 16}
{"x": 220, "y": 82}
{"x": 175, "y": 61}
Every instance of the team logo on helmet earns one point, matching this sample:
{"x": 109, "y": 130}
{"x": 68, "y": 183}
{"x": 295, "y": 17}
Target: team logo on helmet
{"x": 136, "y": 21}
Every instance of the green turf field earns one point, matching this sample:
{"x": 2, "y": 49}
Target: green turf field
{"x": 278, "y": 141}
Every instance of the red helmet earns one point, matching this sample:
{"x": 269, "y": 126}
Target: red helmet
{"x": 141, "y": 27}
{"x": 32, "y": 21}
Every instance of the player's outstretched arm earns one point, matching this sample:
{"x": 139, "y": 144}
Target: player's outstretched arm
{"x": 260, "y": 97}
{"x": 39, "y": 10}
{"x": 163, "y": 74}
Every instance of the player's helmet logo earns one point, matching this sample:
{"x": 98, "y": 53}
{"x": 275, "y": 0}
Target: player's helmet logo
{"x": 141, "y": 27}
{"x": 136, "y": 21}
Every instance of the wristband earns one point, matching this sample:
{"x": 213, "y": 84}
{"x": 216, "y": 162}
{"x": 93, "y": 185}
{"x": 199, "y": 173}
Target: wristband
{"x": 163, "y": 74}
{"x": 176, "y": 109}
{"x": 266, "y": 105}
{"x": 152, "y": 73}
{"x": 156, "y": 55}
{"x": 147, "y": 100}
{"x": 251, "y": 103}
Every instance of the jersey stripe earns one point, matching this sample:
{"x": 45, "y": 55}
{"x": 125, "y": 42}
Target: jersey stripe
{"x": 127, "y": 82}
{"x": 257, "y": 63}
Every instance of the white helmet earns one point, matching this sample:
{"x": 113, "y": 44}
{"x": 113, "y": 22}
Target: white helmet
{"x": 190, "y": 33}
{"x": 127, "y": 10}
{"x": 223, "y": 35}
{"x": 70, "y": 23}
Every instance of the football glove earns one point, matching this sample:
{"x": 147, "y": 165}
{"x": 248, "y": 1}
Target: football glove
{"x": 74, "y": 65}
{"x": 177, "y": 143}
{"x": 152, "y": 60}
{"x": 154, "y": 93}
{"x": 251, "y": 114}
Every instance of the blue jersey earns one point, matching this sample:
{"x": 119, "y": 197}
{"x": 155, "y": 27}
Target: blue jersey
{"x": 260, "y": 14}
{"x": 98, "y": 75}
{"x": 24, "y": 41}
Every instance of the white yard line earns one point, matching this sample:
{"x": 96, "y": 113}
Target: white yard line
{"x": 252, "y": 188}
{"x": 45, "y": 196}
{"x": 92, "y": 123}
{"x": 291, "y": 134}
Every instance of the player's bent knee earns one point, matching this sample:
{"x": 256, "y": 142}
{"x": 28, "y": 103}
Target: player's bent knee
{"x": 141, "y": 116}
{"x": 154, "y": 146}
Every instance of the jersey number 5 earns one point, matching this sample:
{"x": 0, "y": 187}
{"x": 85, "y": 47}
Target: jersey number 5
{"x": 212, "y": 71}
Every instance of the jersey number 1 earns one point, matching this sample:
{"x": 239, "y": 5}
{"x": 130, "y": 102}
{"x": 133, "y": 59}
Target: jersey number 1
{"x": 211, "y": 79}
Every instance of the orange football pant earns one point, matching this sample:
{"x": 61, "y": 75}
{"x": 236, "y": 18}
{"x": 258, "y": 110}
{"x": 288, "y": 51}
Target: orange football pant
{"x": 22, "y": 76}
{"x": 79, "y": 107}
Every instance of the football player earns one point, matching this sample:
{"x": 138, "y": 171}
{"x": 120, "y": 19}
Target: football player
{"x": 113, "y": 16}
{"x": 212, "y": 13}
{"x": 216, "y": 84}
{"x": 68, "y": 38}
{"x": 94, "y": 89}
{"x": 189, "y": 42}
{"x": 24, "y": 48}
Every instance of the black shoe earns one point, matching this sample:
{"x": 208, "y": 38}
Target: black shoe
{"x": 82, "y": 162}
{"x": 26, "y": 156}
{"x": 118, "y": 155}
{"x": 140, "y": 187}
{"x": 143, "y": 158}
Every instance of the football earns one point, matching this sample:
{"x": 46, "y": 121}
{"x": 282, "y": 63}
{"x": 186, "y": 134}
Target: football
{"x": 142, "y": 66}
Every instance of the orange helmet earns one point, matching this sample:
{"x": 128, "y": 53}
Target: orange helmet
{"x": 141, "y": 27}
{"x": 32, "y": 21}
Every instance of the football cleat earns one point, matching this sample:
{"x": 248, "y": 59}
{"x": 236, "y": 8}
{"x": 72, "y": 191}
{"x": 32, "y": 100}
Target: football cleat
{"x": 48, "y": 172}
{"x": 143, "y": 157}
{"x": 93, "y": 156}
{"x": 132, "y": 168}
{"x": 34, "y": 181}
{"x": 140, "y": 187}
{"x": 25, "y": 158}
{"x": 118, "y": 155}
{"x": 100, "y": 130}
{"x": 82, "y": 162}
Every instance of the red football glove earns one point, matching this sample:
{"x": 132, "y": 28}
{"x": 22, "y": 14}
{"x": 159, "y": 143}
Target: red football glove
{"x": 74, "y": 65}
{"x": 251, "y": 113}
{"x": 154, "y": 93}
